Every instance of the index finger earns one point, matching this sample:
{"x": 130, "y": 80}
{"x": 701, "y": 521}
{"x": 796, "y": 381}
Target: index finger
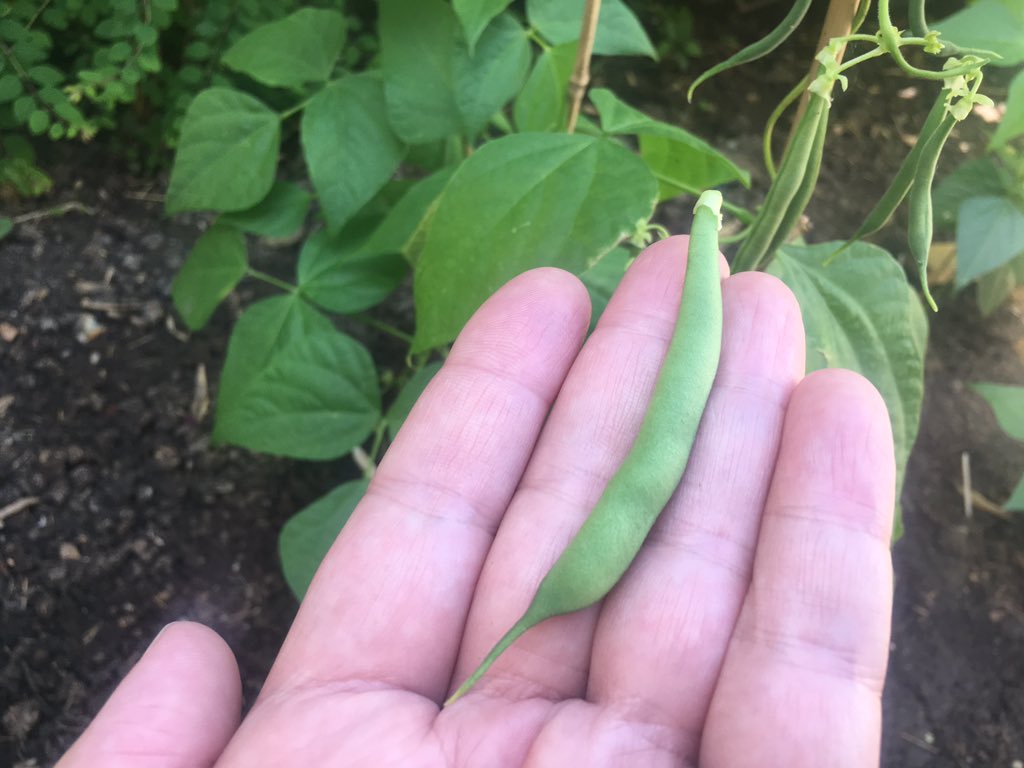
{"x": 391, "y": 598}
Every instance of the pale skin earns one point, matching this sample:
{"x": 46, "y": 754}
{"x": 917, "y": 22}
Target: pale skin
{"x": 752, "y": 630}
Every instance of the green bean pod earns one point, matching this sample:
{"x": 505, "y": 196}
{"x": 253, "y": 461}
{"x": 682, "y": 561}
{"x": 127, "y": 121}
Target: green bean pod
{"x": 904, "y": 178}
{"x": 762, "y": 47}
{"x": 919, "y": 232}
{"x": 787, "y": 183}
{"x": 862, "y": 13}
{"x": 609, "y": 540}
{"x": 917, "y": 19}
{"x": 805, "y": 191}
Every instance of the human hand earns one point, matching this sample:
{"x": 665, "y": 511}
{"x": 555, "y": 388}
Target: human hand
{"x": 752, "y": 629}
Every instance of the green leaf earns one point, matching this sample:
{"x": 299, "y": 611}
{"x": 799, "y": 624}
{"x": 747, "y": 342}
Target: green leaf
{"x": 996, "y": 286}
{"x": 306, "y": 537}
{"x": 542, "y": 105}
{"x": 23, "y": 107}
{"x": 11, "y": 30}
{"x": 992, "y": 25}
{"x": 38, "y": 122}
{"x": 397, "y": 231}
{"x": 973, "y": 178}
{"x": 860, "y": 313}
{"x": 679, "y": 160}
{"x": 46, "y": 76}
{"x": 199, "y": 51}
{"x": 349, "y": 147}
{"x": 603, "y": 278}
{"x": 295, "y": 386}
{"x": 1012, "y": 124}
{"x": 10, "y": 88}
{"x": 145, "y": 35}
{"x": 475, "y": 15}
{"x": 402, "y": 406}
{"x": 989, "y": 234}
{"x": 619, "y": 32}
{"x": 298, "y": 49}
{"x": 524, "y": 201}
{"x": 23, "y": 175}
{"x": 119, "y": 51}
{"x": 1007, "y": 403}
{"x": 280, "y": 214}
{"x": 342, "y": 277}
{"x": 434, "y": 87}
{"x": 227, "y": 153}
{"x": 493, "y": 75}
{"x": 6, "y": 225}
{"x": 212, "y": 270}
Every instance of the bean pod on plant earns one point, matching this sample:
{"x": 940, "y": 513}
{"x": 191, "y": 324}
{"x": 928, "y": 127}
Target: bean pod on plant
{"x": 904, "y": 178}
{"x": 805, "y": 191}
{"x": 762, "y": 47}
{"x": 783, "y": 191}
{"x": 919, "y": 232}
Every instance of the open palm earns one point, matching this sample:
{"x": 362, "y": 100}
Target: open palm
{"x": 752, "y": 629}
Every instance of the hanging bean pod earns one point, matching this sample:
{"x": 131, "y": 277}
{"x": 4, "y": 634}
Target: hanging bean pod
{"x": 784, "y": 189}
{"x": 919, "y": 232}
{"x": 762, "y": 47}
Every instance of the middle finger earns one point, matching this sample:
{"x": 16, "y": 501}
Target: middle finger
{"x": 663, "y": 632}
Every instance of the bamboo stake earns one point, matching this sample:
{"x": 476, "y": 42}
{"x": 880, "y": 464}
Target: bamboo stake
{"x": 581, "y": 70}
{"x": 838, "y": 23}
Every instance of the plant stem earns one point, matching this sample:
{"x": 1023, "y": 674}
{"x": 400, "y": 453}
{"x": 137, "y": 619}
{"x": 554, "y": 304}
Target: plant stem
{"x": 298, "y": 107}
{"x": 58, "y": 210}
{"x": 769, "y": 128}
{"x": 360, "y": 317}
{"x": 541, "y": 43}
{"x": 739, "y": 212}
{"x": 581, "y": 70}
{"x": 378, "y": 438}
{"x": 890, "y": 40}
{"x": 277, "y": 283}
{"x": 862, "y": 58}
{"x": 382, "y": 326}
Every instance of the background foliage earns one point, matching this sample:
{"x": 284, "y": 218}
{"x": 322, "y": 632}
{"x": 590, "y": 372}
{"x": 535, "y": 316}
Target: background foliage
{"x": 71, "y": 69}
{"x": 428, "y": 149}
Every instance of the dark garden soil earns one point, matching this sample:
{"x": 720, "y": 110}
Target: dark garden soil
{"x": 119, "y": 516}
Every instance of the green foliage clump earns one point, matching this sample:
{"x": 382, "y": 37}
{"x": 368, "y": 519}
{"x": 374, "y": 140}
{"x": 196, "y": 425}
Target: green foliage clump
{"x": 64, "y": 68}
{"x": 70, "y": 69}
{"x": 983, "y": 199}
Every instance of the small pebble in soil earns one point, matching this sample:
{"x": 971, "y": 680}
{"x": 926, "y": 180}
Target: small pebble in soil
{"x": 166, "y": 457}
{"x": 152, "y": 241}
{"x": 88, "y": 328}
{"x": 20, "y": 718}
{"x": 8, "y": 332}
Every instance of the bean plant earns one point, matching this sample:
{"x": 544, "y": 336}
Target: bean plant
{"x": 980, "y": 205}
{"x": 470, "y": 151}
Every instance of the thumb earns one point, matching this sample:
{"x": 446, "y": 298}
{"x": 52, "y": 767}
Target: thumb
{"x": 177, "y": 707}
